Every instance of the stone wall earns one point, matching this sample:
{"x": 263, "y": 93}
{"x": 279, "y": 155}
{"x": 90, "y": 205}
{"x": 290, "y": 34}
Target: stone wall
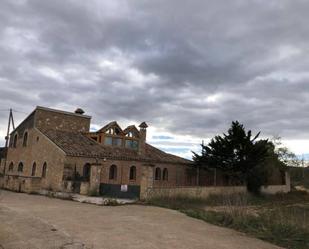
{"x": 50, "y": 119}
{"x": 204, "y": 192}
{"x": 38, "y": 150}
{"x": 21, "y": 184}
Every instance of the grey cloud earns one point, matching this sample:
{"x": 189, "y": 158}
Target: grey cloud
{"x": 161, "y": 61}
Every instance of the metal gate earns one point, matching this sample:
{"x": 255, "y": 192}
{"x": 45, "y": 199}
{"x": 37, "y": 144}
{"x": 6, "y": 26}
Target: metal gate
{"x": 116, "y": 191}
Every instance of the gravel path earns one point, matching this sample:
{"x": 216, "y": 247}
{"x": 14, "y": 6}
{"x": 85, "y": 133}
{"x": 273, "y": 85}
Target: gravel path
{"x": 38, "y": 222}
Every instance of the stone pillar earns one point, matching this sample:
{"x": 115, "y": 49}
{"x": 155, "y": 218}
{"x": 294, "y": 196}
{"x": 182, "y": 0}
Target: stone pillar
{"x": 95, "y": 178}
{"x": 146, "y": 181}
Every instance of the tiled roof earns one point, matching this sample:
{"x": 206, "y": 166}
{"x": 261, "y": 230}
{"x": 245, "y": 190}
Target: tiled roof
{"x": 77, "y": 144}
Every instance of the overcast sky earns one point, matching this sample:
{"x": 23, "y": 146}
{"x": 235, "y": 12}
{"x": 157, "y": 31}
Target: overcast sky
{"x": 188, "y": 68}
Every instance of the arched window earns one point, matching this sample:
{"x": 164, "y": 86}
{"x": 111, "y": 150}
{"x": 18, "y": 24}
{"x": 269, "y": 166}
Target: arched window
{"x": 25, "y": 139}
{"x": 158, "y": 174}
{"x": 44, "y": 169}
{"x": 11, "y": 166}
{"x": 165, "y": 174}
{"x": 86, "y": 172}
{"x": 113, "y": 172}
{"x": 33, "y": 169}
{"x": 15, "y": 141}
{"x": 132, "y": 173}
{"x": 20, "y": 167}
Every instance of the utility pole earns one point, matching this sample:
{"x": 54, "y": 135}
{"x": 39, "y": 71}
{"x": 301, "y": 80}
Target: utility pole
{"x": 303, "y": 166}
{"x": 11, "y": 120}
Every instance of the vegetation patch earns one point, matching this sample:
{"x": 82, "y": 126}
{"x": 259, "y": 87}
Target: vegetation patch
{"x": 281, "y": 219}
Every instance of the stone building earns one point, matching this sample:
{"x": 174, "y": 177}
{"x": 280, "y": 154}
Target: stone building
{"x": 53, "y": 149}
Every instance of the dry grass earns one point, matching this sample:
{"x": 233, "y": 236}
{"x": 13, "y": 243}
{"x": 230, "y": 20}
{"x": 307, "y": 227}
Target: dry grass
{"x": 281, "y": 219}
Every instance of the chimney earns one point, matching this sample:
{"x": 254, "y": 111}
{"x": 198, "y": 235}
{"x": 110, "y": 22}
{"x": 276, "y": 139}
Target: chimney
{"x": 142, "y": 138}
{"x": 79, "y": 111}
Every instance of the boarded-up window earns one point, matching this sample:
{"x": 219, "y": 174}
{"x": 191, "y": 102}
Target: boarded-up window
{"x": 33, "y": 169}
{"x": 113, "y": 172}
{"x": 132, "y": 173}
{"x": 44, "y": 170}
{"x": 158, "y": 174}
{"x": 165, "y": 174}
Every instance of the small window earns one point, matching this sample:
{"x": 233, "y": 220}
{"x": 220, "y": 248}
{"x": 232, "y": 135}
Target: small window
{"x": 132, "y": 144}
{"x": 20, "y": 167}
{"x": 132, "y": 173}
{"x": 11, "y": 166}
{"x": 116, "y": 131}
{"x": 117, "y": 142}
{"x": 44, "y": 169}
{"x": 25, "y": 139}
{"x": 158, "y": 174}
{"x": 131, "y": 134}
{"x": 113, "y": 172}
{"x": 86, "y": 172}
{"x": 15, "y": 141}
{"x": 165, "y": 174}
{"x": 33, "y": 169}
{"x": 108, "y": 141}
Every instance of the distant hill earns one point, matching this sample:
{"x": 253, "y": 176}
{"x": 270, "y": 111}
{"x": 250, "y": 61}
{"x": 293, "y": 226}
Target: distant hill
{"x": 299, "y": 176}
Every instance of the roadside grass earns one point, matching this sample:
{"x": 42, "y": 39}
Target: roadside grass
{"x": 282, "y": 219}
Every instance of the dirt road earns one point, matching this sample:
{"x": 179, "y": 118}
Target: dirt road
{"x": 38, "y": 222}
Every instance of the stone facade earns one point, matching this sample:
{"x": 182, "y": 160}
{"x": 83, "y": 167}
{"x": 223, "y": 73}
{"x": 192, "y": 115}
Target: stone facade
{"x": 54, "y": 150}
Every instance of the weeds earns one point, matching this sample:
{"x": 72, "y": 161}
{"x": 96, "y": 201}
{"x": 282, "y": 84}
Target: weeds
{"x": 282, "y": 219}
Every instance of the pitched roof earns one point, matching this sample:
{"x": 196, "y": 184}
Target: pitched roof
{"x": 133, "y": 129}
{"x": 110, "y": 125}
{"x": 77, "y": 144}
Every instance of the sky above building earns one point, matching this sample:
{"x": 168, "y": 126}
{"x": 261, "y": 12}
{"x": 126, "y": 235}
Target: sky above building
{"x": 187, "y": 68}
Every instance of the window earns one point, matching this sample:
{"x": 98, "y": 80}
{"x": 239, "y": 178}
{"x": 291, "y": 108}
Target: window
{"x": 132, "y": 144}
{"x": 116, "y": 131}
{"x": 15, "y": 141}
{"x": 44, "y": 169}
{"x": 132, "y": 173}
{"x": 11, "y": 166}
{"x": 20, "y": 167}
{"x": 130, "y": 134}
{"x": 95, "y": 138}
{"x": 113, "y": 172}
{"x": 117, "y": 142}
{"x": 158, "y": 174}
{"x": 165, "y": 174}
{"x": 25, "y": 139}
{"x": 86, "y": 172}
{"x": 113, "y": 131}
{"x": 108, "y": 141}
{"x": 33, "y": 169}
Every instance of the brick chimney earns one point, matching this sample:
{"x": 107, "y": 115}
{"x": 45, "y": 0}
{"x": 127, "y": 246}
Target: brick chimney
{"x": 142, "y": 138}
